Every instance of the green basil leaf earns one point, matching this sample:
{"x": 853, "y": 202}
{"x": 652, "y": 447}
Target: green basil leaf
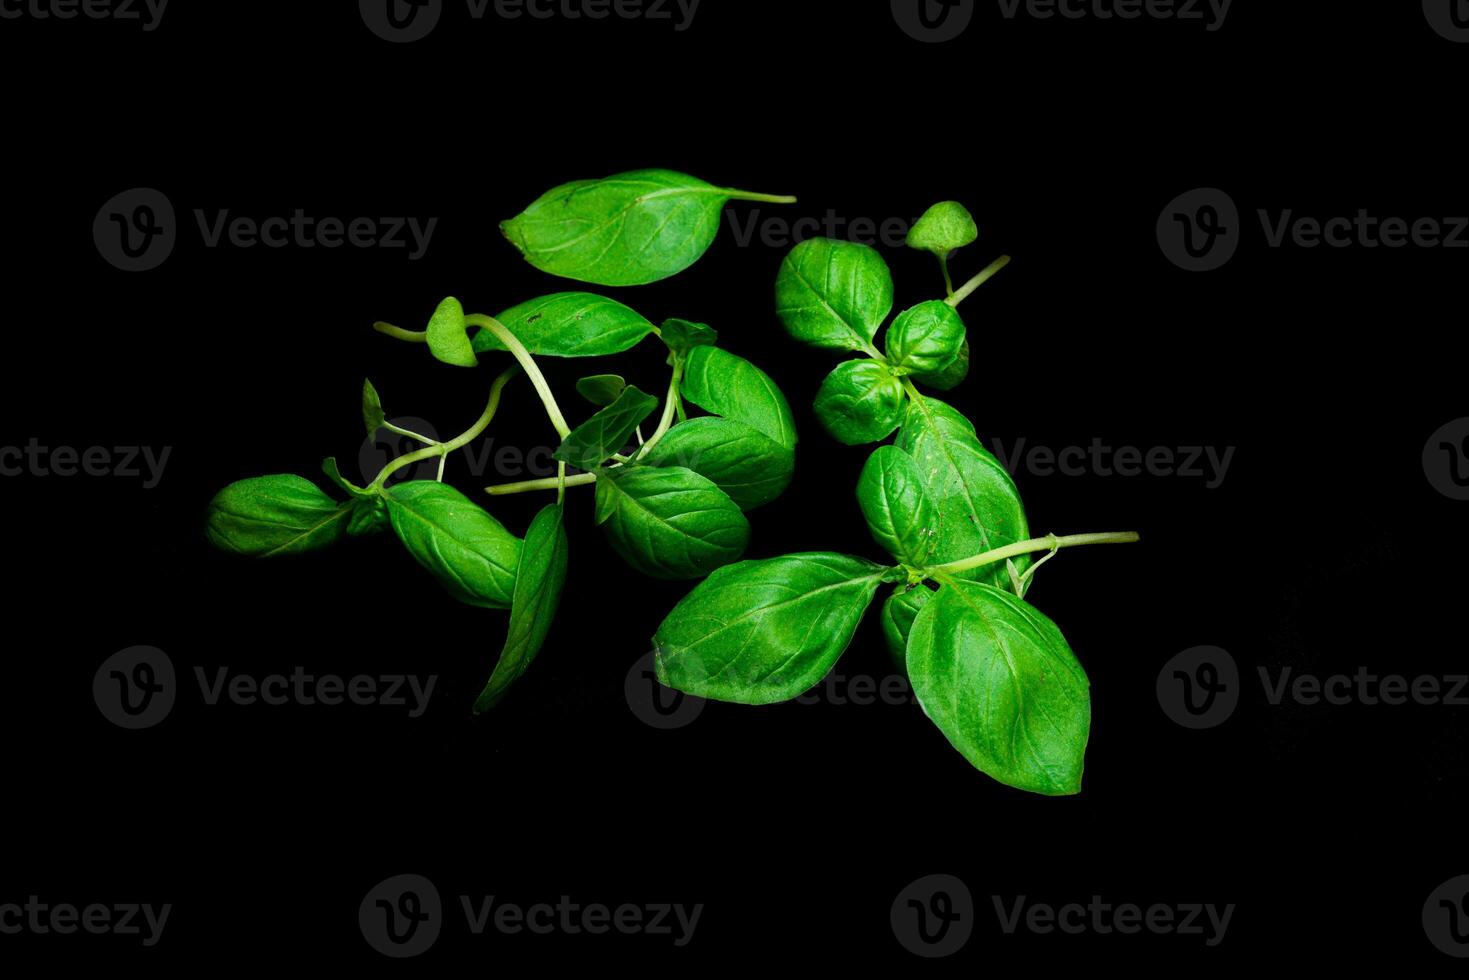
{"x": 670, "y": 522}
{"x": 860, "y": 402}
{"x": 978, "y": 505}
{"x": 267, "y": 516}
{"x": 742, "y": 461}
{"x": 898, "y": 613}
{"x": 944, "y": 227}
{"x": 448, "y": 335}
{"x": 765, "y": 631}
{"x": 624, "y": 230}
{"x": 834, "y": 294}
{"x": 682, "y": 336}
{"x": 369, "y": 516}
{"x": 601, "y": 389}
{"x": 895, "y": 501}
{"x": 467, "y": 550}
{"x": 998, "y": 679}
{"x": 606, "y": 433}
{"x": 725, "y": 384}
{"x": 926, "y": 338}
{"x": 951, "y": 376}
{"x": 569, "y": 325}
{"x": 539, "y": 578}
{"x": 372, "y": 409}
{"x": 334, "y": 473}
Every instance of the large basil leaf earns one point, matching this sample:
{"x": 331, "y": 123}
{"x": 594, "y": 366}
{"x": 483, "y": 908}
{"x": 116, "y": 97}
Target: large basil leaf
{"x": 267, "y": 516}
{"x": 625, "y": 230}
{"x": 765, "y": 631}
{"x": 742, "y": 461}
{"x": 951, "y": 376}
{"x": 860, "y": 402}
{"x": 670, "y": 522}
{"x": 728, "y": 385}
{"x": 944, "y": 227}
{"x": 448, "y": 335}
{"x": 926, "y": 338}
{"x": 607, "y": 432}
{"x": 978, "y": 505}
{"x": 998, "y": 679}
{"x": 466, "y": 549}
{"x": 895, "y": 501}
{"x": 898, "y": 613}
{"x": 834, "y": 294}
{"x": 569, "y": 325}
{"x": 538, "y": 580}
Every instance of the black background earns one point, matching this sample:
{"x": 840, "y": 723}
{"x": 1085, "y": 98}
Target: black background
{"x": 1324, "y": 549}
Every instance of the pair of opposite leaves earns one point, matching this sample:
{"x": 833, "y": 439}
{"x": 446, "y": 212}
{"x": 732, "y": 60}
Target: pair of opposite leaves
{"x": 478, "y": 561}
{"x": 993, "y": 673}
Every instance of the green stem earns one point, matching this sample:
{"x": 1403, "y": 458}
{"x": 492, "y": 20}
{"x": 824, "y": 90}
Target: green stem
{"x": 1048, "y": 543}
{"x": 979, "y": 280}
{"x": 948, "y": 279}
{"x": 410, "y": 434}
{"x": 517, "y": 349}
{"x": 670, "y": 408}
{"x": 412, "y": 336}
{"x": 765, "y": 198}
{"x": 550, "y": 483}
{"x": 458, "y": 442}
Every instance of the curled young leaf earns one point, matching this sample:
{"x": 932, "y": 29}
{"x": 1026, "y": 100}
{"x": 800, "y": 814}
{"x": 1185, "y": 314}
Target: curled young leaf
{"x": 834, "y": 294}
{"x": 895, "y": 501}
{"x": 625, "y": 230}
{"x": 742, "y": 461}
{"x": 471, "y": 554}
{"x": 898, "y": 613}
{"x": 944, "y": 227}
{"x": 728, "y": 385}
{"x": 682, "y": 336}
{"x": 267, "y": 516}
{"x": 606, "y": 433}
{"x": 372, "y": 409}
{"x": 369, "y": 516}
{"x": 952, "y": 375}
{"x": 334, "y": 473}
{"x": 539, "y": 577}
{"x": 601, "y": 389}
{"x": 765, "y": 631}
{"x": 448, "y": 335}
{"x": 998, "y": 679}
{"x": 926, "y": 338}
{"x": 860, "y": 402}
{"x": 978, "y": 505}
{"x": 569, "y": 325}
{"x": 670, "y": 522}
